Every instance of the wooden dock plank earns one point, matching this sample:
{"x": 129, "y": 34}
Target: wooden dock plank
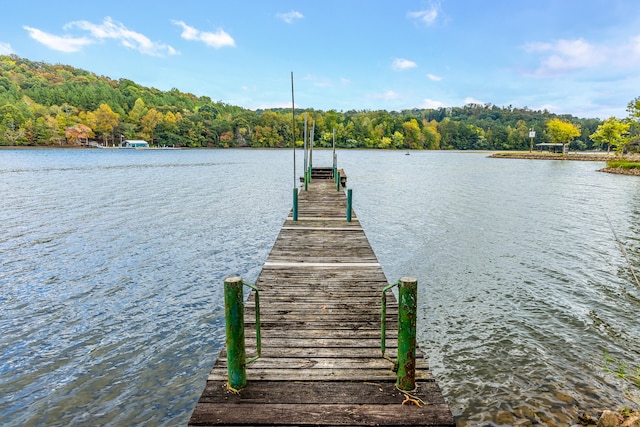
{"x": 342, "y": 403}
{"x": 320, "y": 305}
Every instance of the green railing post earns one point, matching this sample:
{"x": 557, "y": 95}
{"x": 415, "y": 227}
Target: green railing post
{"x": 295, "y": 204}
{"x": 407, "y": 306}
{"x": 234, "y": 315}
{"x": 349, "y": 204}
{"x": 383, "y": 322}
{"x": 338, "y": 181}
{"x": 234, "y": 319}
{"x": 306, "y": 181}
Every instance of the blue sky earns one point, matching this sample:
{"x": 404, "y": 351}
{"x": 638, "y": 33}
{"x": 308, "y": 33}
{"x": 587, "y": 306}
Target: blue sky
{"x": 579, "y": 57}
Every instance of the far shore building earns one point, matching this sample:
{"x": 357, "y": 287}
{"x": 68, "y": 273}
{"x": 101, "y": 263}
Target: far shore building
{"x": 548, "y": 146}
{"x": 134, "y": 143}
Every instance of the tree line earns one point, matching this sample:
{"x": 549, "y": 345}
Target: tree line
{"x": 46, "y": 104}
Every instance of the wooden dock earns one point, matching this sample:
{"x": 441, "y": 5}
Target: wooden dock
{"x": 320, "y": 298}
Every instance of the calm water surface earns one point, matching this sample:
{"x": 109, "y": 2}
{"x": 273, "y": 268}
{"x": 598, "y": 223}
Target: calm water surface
{"x": 111, "y": 268}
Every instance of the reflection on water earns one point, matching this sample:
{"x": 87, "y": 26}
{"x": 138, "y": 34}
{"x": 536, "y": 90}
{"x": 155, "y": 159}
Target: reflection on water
{"x": 112, "y": 265}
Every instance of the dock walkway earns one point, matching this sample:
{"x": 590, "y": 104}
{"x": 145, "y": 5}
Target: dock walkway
{"x": 320, "y": 298}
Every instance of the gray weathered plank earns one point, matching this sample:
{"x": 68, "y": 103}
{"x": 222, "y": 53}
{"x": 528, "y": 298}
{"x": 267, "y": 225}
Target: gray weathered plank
{"x": 321, "y": 364}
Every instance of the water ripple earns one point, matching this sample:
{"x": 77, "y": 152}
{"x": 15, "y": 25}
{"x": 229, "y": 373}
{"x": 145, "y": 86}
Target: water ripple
{"x": 112, "y": 265}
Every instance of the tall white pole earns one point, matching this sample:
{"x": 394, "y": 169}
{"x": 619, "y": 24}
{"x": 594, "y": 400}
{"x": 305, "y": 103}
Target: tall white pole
{"x": 293, "y": 131}
{"x": 313, "y": 130}
{"x": 306, "y": 146}
{"x": 334, "y": 150}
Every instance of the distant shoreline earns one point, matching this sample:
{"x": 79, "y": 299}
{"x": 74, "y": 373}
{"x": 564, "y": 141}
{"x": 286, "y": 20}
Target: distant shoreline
{"x": 584, "y": 157}
{"x": 544, "y": 155}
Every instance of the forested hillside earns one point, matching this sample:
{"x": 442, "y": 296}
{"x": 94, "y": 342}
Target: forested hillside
{"x": 44, "y": 104}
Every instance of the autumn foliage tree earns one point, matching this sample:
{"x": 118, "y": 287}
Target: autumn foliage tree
{"x": 106, "y": 121}
{"x": 562, "y": 132}
{"x": 78, "y": 132}
{"x": 40, "y": 102}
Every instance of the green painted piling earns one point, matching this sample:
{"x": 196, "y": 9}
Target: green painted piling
{"x": 349, "y": 204}
{"x": 338, "y": 181}
{"x": 407, "y": 306}
{"x": 234, "y": 320}
{"x": 234, "y": 315}
{"x": 295, "y": 204}
{"x": 405, "y": 365}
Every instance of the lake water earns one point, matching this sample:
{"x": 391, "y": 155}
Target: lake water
{"x": 112, "y": 264}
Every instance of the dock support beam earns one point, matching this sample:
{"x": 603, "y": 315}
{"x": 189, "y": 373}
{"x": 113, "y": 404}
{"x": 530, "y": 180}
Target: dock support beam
{"x": 338, "y": 181}
{"x": 407, "y": 306}
{"x": 349, "y": 204}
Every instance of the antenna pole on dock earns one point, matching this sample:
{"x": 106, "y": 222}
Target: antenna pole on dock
{"x": 313, "y": 130}
{"x": 293, "y": 136}
{"x": 335, "y": 160}
{"x": 306, "y": 154}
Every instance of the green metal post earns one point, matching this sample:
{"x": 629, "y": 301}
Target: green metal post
{"x": 407, "y": 306}
{"x": 349, "y": 204}
{"x": 306, "y": 181}
{"x": 295, "y": 204}
{"x": 338, "y": 181}
{"x": 234, "y": 315}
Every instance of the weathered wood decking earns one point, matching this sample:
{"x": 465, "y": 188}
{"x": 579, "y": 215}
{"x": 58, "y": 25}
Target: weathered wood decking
{"x": 320, "y": 298}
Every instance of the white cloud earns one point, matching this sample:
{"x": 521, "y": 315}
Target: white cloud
{"x": 635, "y": 45}
{"x": 107, "y": 30}
{"x": 427, "y": 16}
{"x": 289, "y": 17}
{"x": 318, "y": 81}
{"x": 470, "y": 100}
{"x": 217, "y": 40}
{"x": 66, "y": 44}
{"x": 564, "y": 56}
{"x": 344, "y": 81}
{"x": 432, "y": 104}
{"x": 388, "y": 95}
{"x": 400, "y": 64}
{"x": 434, "y": 78}
{"x": 110, "y": 29}
{"x": 5, "y": 49}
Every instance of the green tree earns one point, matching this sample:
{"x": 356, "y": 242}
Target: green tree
{"x": 137, "y": 112}
{"x": 431, "y": 135}
{"x": 634, "y": 109}
{"x": 11, "y": 120}
{"x": 613, "y": 133}
{"x": 397, "y": 140}
{"x": 562, "y": 132}
{"x": 412, "y": 135}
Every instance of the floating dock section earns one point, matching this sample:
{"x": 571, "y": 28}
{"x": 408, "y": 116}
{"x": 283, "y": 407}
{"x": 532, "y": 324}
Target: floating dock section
{"x": 321, "y": 363}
